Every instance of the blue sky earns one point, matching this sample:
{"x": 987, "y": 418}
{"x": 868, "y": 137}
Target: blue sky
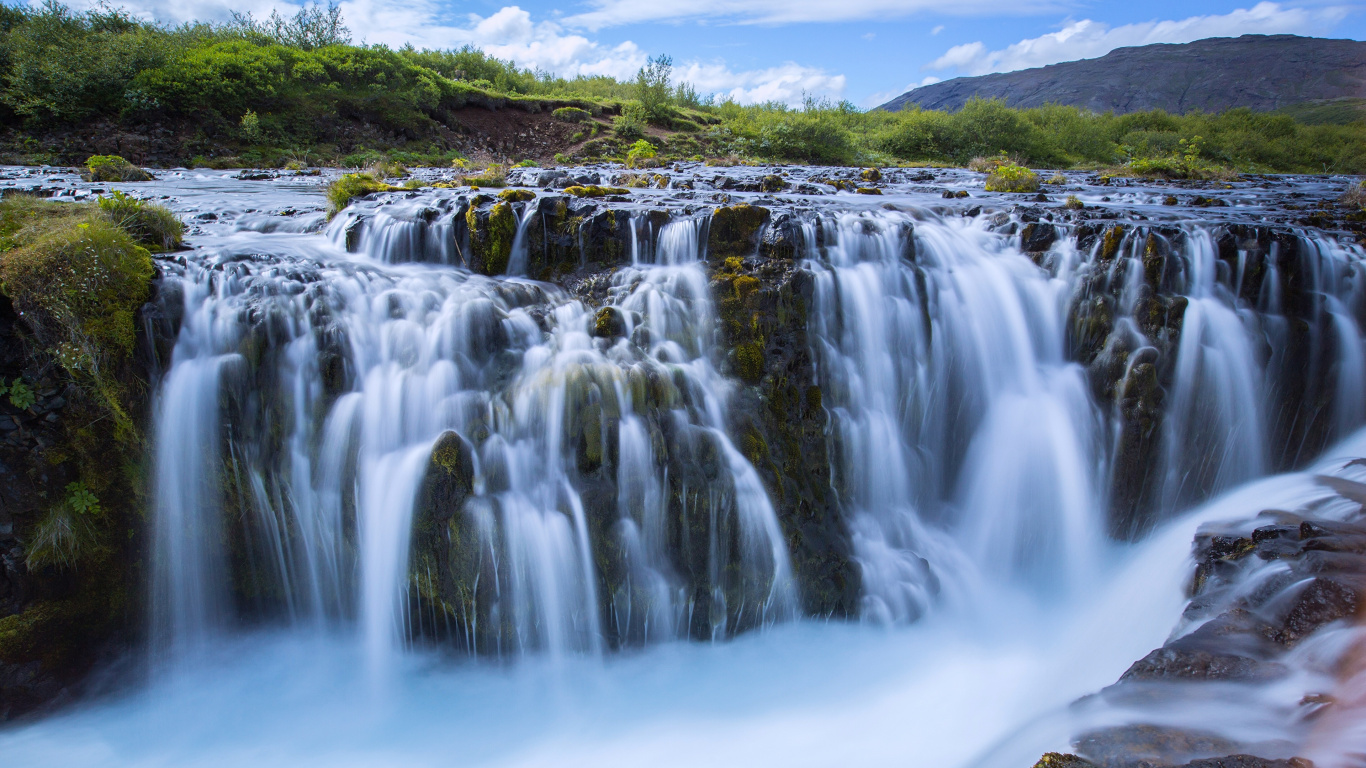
{"x": 865, "y": 51}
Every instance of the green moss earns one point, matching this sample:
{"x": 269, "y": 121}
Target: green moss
{"x": 749, "y": 362}
{"x": 341, "y": 192}
{"x": 1073, "y": 203}
{"x": 609, "y": 323}
{"x": 735, "y": 230}
{"x": 870, "y": 174}
{"x": 593, "y": 190}
{"x": 868, "y": 191}
{"x": 491, "y": 238}
{"x": 516, "y": 195}
{"x": 1110, "y": 242}
{"x": 80, "y": 281}
{"x": 109, "y": 168}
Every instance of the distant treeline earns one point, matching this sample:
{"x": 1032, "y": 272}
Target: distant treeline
{"x": 287, "y": 83}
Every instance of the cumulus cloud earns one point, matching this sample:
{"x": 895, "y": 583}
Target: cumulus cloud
{"x": 1088, "y": 39}
{"x": 512, "y": 33}
{"x": 787, "y": 83}
{"x": 608, "y": 13}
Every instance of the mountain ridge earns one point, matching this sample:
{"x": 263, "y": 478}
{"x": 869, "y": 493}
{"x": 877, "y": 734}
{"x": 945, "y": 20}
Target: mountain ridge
{"x": 1261, "y": 72}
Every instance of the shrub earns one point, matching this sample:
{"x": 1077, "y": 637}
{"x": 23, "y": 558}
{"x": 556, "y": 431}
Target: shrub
{"x": 1012, "y": 178}
{"x": 250, "y": 126}
{"x": 986, "y": 164}
{"x": 639, "y": 153}
{"x": 341, "y": 192}
{"x": 386, "y": 169}
{"x": 153, "y": 226}
{"x": 108, "y": 168}
{"x": 572, "y": 115}
{"x": 653, "y": 90}
{"x": 630, "y": 124}
{"x": 1355, "y": 195}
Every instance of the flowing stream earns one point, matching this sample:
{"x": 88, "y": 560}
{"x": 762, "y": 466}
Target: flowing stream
{"x": 614, "y": 583}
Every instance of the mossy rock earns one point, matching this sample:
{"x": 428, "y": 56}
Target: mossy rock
{"x": 870, "y": 174}
{"x": 609, "y": 323}
{"x": 516, "y": 195}
{"x": 772, "y": 183}
{"x": 491, "y": 236}
{"x": 111, "y": 168}
{"x": 593, "y": 190}
{"x": 868, "y": 191}
{"x": 735, "y": 229}
{"x": 341, "y": 192}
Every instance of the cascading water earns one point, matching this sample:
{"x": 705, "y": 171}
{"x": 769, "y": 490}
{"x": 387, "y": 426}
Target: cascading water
{"x": 358, "y": 372}
{"x": 371, "y": 449}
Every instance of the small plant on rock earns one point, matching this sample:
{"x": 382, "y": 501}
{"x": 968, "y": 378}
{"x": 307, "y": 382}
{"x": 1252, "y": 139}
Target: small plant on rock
{"x": 352, "y": 185}
{"x": 640, "y": 155}
{"x": 1012, "y": 178}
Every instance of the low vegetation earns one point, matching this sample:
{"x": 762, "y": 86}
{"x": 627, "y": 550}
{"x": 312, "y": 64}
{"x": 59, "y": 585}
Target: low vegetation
{"x": 1009, "y": 177}
{"x": 296, "y": 90}
{"x": 341, "y": 192}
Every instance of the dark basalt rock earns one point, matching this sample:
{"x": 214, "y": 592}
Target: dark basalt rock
{"x": 1037, "y": 237}
{"x": 734, "y": 231}
{"x": 1145, "y": 746}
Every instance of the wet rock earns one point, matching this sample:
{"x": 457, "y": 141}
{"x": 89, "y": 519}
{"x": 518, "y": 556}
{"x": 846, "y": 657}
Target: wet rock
{"x": 1063, "y": 760}
{"x": 1323, "y": 600}
{"x": 491, "y": 232}
{"x": 734, "y": 230}
{"x": 1144, "y": 746}
{"x": 1038, "y": 237}
{"x": 1181, "y": 664}
{"x": 609, "y": 323}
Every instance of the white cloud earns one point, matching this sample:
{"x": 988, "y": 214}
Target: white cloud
{"x": 1088, "y": 39}
{"x": 512, "y": 33}
{"x": 937, "y": 29}
{"x": 608, "y": 13}
{"x": 786, "y": 83}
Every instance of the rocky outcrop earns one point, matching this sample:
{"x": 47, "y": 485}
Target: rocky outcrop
{"x": 1260, "y": 72}
{"x": 1314, "y": 577}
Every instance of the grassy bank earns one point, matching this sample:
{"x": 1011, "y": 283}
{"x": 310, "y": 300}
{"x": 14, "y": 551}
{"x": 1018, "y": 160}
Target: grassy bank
{"x": 296, "y": 90}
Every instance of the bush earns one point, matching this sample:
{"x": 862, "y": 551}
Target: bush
{"x": 1012, "y": 178}
{"x": 341, "y": 192}
{"x": 153, "y": 226}
{"x": 630, "y": 124}
{"x": 639, "y": 153}
{"x": 653, "y": 90}
{"x": 109, "y": 168}
{"x": 572, "y": 115}
{"x": 1355, "y": 195}
{"x": 386, "y": 169}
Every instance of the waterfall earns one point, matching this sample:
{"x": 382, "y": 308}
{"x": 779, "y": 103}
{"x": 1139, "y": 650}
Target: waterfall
{"x": 349, "y": 372}
{"x": 971, "y": 446}
{"x": 956, "y": 494}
